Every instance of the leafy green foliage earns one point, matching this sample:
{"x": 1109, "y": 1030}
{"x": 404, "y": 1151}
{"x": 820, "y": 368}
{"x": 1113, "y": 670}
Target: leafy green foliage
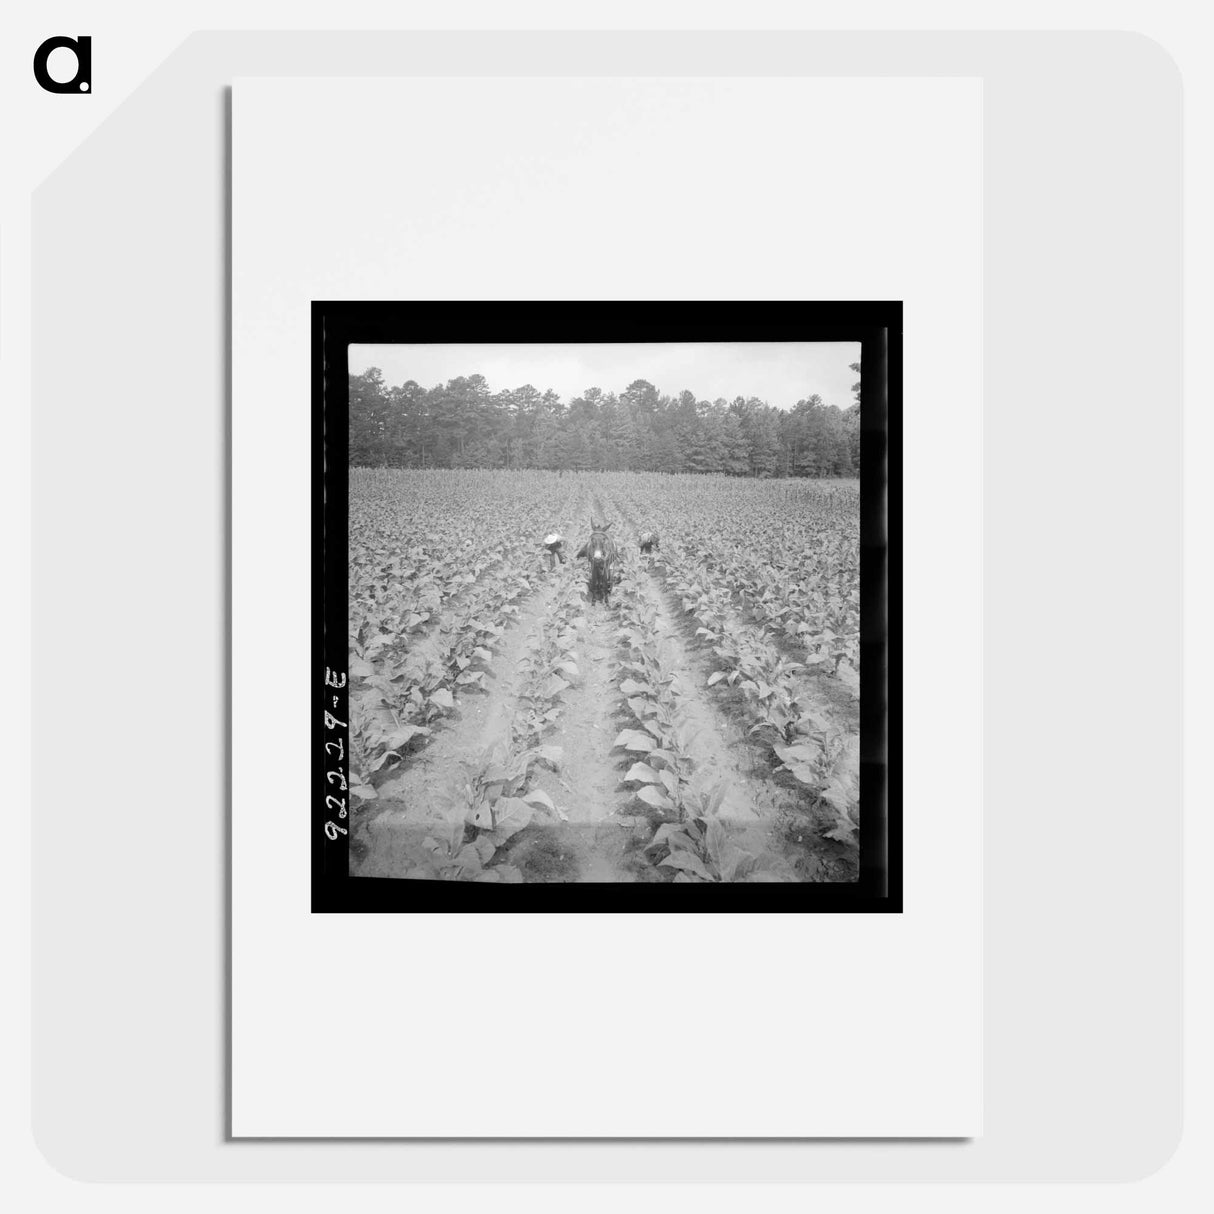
{"x": 463, "y": 424}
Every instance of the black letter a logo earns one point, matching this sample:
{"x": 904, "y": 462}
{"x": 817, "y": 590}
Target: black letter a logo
{"x": 82, "y": 48}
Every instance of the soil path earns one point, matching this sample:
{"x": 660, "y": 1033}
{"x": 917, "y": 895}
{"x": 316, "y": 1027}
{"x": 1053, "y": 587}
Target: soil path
{"x": 586, "y": 724}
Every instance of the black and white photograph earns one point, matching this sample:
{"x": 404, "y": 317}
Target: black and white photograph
{"x": 603, "y": 609}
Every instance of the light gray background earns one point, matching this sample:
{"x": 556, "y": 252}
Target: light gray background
{"x": 1082, "y": 617}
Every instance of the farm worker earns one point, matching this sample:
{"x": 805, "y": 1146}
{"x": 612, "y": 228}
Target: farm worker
{"x": 649, "y": 541}
{"x": 554, "y": 542}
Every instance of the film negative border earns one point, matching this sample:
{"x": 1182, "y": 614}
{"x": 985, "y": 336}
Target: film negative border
{"x": 877, "y": 326}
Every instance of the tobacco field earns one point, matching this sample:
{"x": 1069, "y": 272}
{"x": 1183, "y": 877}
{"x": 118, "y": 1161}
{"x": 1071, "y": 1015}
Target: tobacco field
{"x": 702, "y": 726}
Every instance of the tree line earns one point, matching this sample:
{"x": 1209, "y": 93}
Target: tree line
{"x": 463, "y": 424}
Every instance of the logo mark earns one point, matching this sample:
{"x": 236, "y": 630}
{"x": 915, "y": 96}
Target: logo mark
{"x": 82, "y": 48}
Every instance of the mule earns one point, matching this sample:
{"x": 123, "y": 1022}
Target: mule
{"x": 601, "y": 550}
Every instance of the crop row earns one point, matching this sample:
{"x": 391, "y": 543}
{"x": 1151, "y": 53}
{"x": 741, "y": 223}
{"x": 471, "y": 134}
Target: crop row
{"x": 500, "y": 800}
{"x": 820, "y": 753}
{"x": 437, "y": 570}
{"x": 691, "y": 843}
{"x": 788, "y": 556}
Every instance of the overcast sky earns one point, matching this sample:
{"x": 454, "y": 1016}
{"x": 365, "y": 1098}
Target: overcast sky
{"x": 781, "y": 373}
